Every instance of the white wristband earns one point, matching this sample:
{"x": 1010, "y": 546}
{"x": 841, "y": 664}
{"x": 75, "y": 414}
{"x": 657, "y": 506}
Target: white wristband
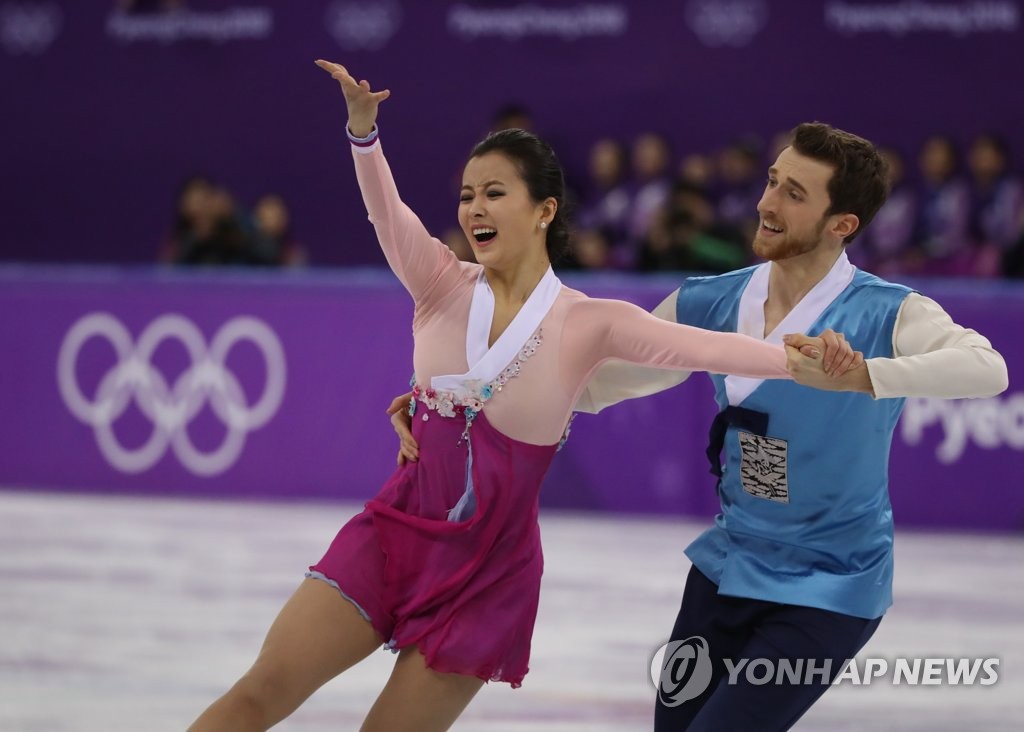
{"x": 363, "y": 142}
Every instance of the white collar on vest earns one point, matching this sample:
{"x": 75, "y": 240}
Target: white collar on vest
{"x": 485, "y": 363}
{"x": 750, "y": 319}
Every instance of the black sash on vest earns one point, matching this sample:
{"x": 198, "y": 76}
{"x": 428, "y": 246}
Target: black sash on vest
{"x": 748, "y": 419}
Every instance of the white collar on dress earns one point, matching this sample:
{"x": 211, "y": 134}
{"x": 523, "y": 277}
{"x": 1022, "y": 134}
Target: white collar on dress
{"x": 750, "y": 319}
{"x": 485, "y": 363}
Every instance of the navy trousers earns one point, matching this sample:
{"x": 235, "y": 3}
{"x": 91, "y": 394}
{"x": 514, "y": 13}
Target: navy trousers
{"x": 770, "y": 636}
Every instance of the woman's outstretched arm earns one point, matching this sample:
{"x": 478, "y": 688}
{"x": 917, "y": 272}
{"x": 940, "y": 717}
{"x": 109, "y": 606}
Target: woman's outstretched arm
{"x": 599, "y": 330}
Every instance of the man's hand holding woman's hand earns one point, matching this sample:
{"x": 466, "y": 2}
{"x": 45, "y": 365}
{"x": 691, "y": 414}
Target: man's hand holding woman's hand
{"x": 826, "y": 362}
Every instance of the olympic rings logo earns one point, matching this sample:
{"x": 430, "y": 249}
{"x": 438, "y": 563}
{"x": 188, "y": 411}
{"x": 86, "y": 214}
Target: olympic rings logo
{"x": 171, "y": 407}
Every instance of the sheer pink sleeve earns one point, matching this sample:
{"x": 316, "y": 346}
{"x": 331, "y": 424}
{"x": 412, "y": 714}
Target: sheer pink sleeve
{"x": 599, "y": 330}
{"x": 421, "y": 262}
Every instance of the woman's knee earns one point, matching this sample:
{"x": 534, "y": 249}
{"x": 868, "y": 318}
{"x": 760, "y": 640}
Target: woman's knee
{"x": 266, "y": 693}
{"x": 418, "y": 698}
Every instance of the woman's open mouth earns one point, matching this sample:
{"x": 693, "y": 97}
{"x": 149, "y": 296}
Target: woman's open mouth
{"x": 484, "y": 234}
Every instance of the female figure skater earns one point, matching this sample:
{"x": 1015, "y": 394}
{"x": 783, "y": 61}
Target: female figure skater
{"x": 444, "y": 564}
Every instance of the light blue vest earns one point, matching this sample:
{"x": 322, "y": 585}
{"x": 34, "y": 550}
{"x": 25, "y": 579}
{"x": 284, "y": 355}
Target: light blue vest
{"x": 805, "y": 514}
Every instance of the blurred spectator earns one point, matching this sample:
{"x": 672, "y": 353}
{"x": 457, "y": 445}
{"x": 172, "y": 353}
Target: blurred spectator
{"x": 694, "y": 200}
{"x": 667, "y": 246}
{"x": 686, "y": 236}
{"x": 996, "y": 203}
{"x": 884, "y": 245}
{"x": 650, "y": 187}
{"x": 741, "y": 181}
{"x": 210, "y": 230}
{"x": 191, "y": 214}
{"x": 941, "y": 241}
{"x": 699, "y": 170}
{"x": 604, "y": 209}
{"x": 590, "y": 250}
{"x": 512, "y": 116}
{"x": 273, "y": 224}
{"x": 455, "y": 239}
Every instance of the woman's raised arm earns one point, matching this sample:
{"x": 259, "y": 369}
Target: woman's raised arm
{"x": 423, "y": 264}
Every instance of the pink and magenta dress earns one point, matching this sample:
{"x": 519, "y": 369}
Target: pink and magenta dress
{"x": 447, "y": 556}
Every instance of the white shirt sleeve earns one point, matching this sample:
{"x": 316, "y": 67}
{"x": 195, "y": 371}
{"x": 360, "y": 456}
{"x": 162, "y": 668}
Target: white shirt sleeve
{"x": 935, "y": 357}
{"x": 616, "y": 381}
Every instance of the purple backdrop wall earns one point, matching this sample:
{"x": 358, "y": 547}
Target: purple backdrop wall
{"x": 106, "y": 113}
{"x": 158, "y": 418}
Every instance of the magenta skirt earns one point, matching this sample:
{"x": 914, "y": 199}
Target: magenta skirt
{"x": 447, "y": 557}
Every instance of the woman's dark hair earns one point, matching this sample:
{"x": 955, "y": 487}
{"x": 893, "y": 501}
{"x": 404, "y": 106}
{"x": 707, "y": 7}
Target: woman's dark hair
{"x": 542, "y": 173}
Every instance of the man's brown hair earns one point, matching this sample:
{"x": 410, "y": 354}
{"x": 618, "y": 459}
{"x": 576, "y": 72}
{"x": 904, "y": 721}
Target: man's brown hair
{"x": 860, "y": 181}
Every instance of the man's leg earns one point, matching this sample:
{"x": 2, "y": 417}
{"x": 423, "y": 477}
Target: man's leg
{"x": 725, "y": 623}
{"x": 790, "y": 637}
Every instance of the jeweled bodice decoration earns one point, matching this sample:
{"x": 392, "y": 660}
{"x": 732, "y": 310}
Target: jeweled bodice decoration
{"x": 474, "y": 394}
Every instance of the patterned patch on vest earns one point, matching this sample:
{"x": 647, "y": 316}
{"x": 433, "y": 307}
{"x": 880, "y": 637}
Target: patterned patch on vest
{"x": 764, "y": 467}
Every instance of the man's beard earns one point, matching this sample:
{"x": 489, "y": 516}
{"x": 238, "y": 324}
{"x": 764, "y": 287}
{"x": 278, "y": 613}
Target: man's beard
{"x": 789, "y": 247}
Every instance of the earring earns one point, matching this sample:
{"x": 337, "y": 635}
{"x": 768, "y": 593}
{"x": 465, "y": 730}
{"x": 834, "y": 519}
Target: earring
{"x": 543, "y": 224}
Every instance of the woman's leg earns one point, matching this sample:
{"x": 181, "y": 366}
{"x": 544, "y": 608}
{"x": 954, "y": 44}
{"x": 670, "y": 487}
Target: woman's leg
{"x": 419, "y": 699}
{"x": 317, "y": 635}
